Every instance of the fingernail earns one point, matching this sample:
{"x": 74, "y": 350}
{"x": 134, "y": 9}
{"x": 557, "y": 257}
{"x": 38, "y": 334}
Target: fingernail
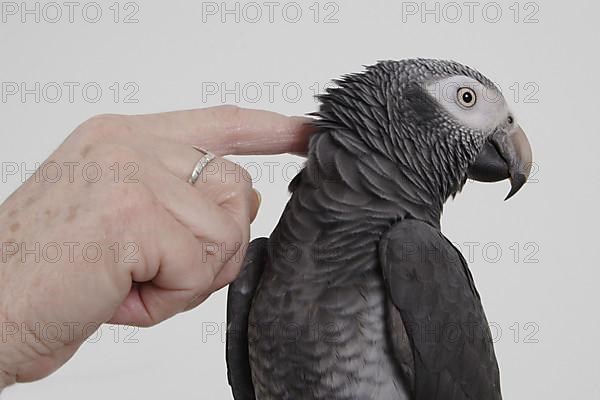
{"x": 258, "y": 203}
{"x": 258, "y": 197}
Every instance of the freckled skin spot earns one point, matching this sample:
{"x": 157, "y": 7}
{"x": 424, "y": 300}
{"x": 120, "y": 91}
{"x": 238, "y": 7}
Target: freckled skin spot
{"x": 72, "y": 213}
{"x": 15, "y": 227}
{"x": 86, "y": 150}
{"x": 50, "y": 215}
{"x": 29, "y": 201}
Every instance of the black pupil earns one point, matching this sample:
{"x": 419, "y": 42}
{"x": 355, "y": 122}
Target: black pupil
{"x": 467, "y": 97}
{"x": 510, "y": 120}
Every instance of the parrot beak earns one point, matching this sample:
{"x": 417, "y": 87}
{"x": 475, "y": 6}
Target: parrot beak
{"x": 505, "y": 155}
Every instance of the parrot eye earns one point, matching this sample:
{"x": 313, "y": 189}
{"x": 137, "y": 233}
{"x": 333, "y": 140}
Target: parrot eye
{"x": 511, "y": 120}
{"x": 467, "y": 97}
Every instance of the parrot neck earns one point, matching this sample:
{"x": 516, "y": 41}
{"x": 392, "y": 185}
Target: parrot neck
{"x": 353, "y": 181}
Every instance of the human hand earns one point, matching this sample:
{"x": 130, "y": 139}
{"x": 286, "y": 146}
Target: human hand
{"x": 130, "y": 241}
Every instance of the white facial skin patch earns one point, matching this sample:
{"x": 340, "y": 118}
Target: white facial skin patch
{"x": 471, "y": 103}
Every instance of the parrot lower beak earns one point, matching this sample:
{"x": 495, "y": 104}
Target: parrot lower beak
{"x": 506, "y": 155}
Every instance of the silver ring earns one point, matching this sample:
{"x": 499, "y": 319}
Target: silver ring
{"x": 202, "y": 163}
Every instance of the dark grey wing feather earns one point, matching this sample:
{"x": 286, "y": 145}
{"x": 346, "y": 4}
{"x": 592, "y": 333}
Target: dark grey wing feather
{"x": 239, "y": 300}
{"x": 432, "y": 291}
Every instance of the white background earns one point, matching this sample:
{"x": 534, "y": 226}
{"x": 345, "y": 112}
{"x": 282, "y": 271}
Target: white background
{"x": 544, "y": 313}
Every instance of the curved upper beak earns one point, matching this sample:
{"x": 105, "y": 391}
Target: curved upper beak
{"x": 506, "y": 155}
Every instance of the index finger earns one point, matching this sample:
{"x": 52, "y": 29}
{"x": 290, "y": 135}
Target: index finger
{"x": 229, "y": 130}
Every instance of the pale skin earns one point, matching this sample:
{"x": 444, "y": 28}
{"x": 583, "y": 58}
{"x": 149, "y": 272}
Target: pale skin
{"x": 165, "y": 245}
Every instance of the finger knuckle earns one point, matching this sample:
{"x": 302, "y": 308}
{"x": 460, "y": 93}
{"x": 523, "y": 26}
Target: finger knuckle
{"x": 100, "y": 128}
{"x": 230, "y": 115}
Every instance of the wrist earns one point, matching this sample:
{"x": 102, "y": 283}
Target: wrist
{"x": 6, "y": 377}
{"x": 6, "y": 380}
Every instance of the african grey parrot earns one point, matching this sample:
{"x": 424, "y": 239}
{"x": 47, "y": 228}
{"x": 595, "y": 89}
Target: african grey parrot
{"x": 357, "y": 294}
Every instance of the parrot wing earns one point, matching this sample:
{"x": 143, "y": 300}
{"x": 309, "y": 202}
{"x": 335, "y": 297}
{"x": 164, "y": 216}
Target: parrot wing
{"x": 438, "y": 310}
{"x": 239, "y": 300}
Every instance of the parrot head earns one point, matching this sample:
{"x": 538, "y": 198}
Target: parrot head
{"x": 441, "y": 120}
